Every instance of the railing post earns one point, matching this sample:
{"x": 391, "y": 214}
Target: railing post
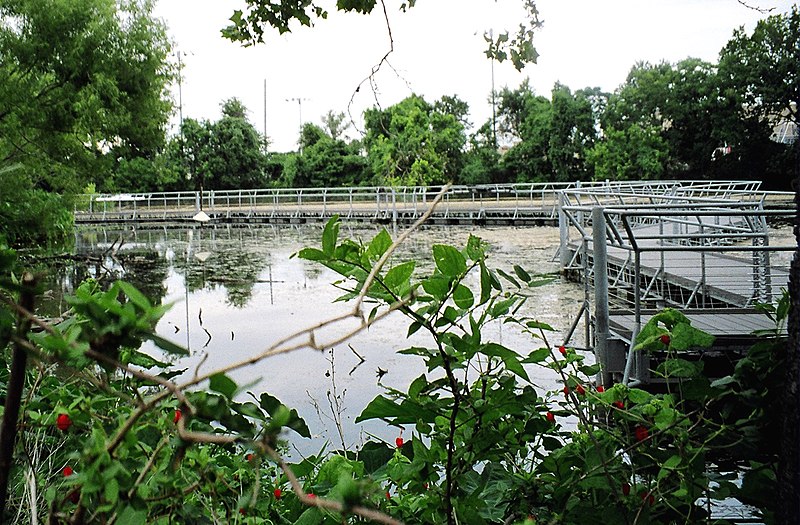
{"x": 394, "y": 206}
{"x": 563, "y": 233}
{"x": 600, "y": 257}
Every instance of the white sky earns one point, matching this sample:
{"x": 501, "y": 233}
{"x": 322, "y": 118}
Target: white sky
{"x": 438, "y": 50}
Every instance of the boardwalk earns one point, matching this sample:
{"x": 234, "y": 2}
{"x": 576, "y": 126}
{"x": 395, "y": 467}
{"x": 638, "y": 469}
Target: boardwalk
{"x": 714, "y": 258}
{"x": 521, "y": 204}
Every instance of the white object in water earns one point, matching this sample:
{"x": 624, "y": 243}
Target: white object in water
{"x": 201, "y": 217}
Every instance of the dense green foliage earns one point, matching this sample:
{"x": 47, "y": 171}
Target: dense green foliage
{"x": 82, "y": 84}
{"x": 110, "y": 433}
{"x": 97, "y": 118}
{"x": 689, "y": 120}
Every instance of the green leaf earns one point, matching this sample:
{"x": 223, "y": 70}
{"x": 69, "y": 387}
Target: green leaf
{"x": 509, "y": 357}
{"x": 223, "y": 384}
{"x": 537, "y": 356}
{"x": 131, "y": 516}
{"x": 521, "y": 273}
{"x": 134, "y": 295}
{"x": 639, "y": 396}
{"x": 398, "y": 278}
{"x": 680, "y": 368}
{"x": 290, "y": 418}
{"x": 502, "y": 307}
{"x": 486, "y": 284}
{"x": 111, "y": 491}
{"x": 167, "y": 345}
{"x": 476, "y": 248}
{"x": 330, "y": 235}
{"x": 312, "y": 254}
{"x": 378, "y": 246}
{"x": 509, "y": 278}
{"x": 669, "y": 465}
{"x": 685, "y": 336}
{"x": 406, "y": 412}
{"x": 463, "y": 297}
{"x": 437, "y": 286}
{"x": 375, "y": 455}
{"x": 538, "y": 325}
{"x": 417, "y": 386}
{"x": 449, "y": 261}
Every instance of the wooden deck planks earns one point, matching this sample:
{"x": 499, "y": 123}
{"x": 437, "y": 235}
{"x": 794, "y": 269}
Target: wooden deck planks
{"x": 719, "y": 323}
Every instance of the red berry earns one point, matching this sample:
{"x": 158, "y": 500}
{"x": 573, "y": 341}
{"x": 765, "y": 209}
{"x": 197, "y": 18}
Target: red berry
{"x": 641, "y": 433}
{"x": 242, "y": 512}
{"x": 566, "y": 390}
{"x": 67, "y": 471}
{"x": 580, "y": 390}
{"x": 562, "y": 349}
{"x": 619, "y": 404}
{"x": 249, "y": 457}
{"x": 399, "y": 442}
{"x": 550, "y": 417}
{"x": 601, "y": 388}
{"x": 74, "y": 496}
{"x": 177, "y": 416}
{"x": 626, "y": 489}
{"x": 648, "y": 497}
{"x": 388, "y": 496}
{"x": 665, "y": 339}
{"x": 311, "y": 495}
{"x": 277, "y": 493}
{"x": 63, "y": 422}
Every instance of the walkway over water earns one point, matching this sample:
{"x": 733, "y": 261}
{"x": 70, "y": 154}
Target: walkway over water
{"x": 710, "y": 255}
{"x": 522, "y": 204}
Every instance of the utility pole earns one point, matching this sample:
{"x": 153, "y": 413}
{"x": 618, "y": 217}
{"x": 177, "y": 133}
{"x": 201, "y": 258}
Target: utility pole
{"x": 299, "y": 101}
{"x": 180, "y": 98}
{"x": 265, "y": 116}
{"x": 494, "y": 105}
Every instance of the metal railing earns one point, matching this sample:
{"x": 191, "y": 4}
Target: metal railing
{"x": 370, "y": 203}
{"x": 703, "y": 249}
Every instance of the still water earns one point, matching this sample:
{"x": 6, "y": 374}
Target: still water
{"x": 237, "y": 290}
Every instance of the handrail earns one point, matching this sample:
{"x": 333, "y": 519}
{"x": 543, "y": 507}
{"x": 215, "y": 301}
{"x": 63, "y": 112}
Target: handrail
{"x": 391, "y": 203}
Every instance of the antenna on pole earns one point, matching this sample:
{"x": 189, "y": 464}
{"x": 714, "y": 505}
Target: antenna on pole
{"x": 299, "y": 101}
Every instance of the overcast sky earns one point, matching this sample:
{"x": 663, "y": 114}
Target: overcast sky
{"x": 438, "y": 50}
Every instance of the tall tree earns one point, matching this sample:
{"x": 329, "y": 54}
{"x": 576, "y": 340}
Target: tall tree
{"x": 80, "y": 79}
{"x": 335, "y": 124}
{"x": 411, "y": 143}
{"x": 82, "y": 83}
{"x": 234, "y": 108}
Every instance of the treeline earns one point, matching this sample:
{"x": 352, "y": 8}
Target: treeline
{"x": 90, "y": 114}
{"x": 688, "y": 120}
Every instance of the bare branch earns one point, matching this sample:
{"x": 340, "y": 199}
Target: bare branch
{"x": 762, "y": 10}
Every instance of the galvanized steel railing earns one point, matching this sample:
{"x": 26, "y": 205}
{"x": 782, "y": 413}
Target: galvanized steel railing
{"x": 690, "y": 248}
{"x": 372, "y": 203}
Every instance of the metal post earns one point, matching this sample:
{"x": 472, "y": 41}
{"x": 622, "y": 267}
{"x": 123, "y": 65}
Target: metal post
{"x": 394, "y": 206}
{"x": 563, "y": 234}
{"x": 600, "y": 294}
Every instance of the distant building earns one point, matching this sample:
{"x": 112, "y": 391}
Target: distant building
{"x": 785, "y": 131}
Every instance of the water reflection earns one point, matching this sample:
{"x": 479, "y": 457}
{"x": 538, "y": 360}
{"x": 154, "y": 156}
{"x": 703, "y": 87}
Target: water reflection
{"x": 236, "y": 291}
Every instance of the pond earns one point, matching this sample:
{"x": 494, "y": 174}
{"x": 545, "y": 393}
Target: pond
{"x": 237, "y": 290}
